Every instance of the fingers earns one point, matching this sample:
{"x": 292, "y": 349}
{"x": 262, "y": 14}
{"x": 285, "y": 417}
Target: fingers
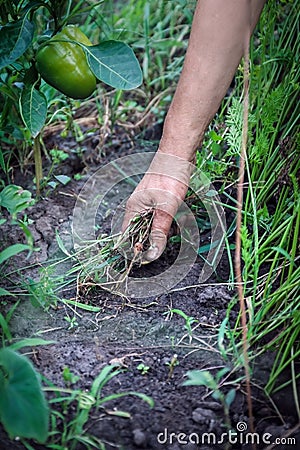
{"x": 158, "y": 236}
{"x": 162, "y": 190}
{"x": 158, "y": 241}
{"x": 164, "y": 205}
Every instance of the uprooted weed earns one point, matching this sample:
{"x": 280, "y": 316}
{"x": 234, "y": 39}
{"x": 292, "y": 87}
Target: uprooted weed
{"x": 107, "y": 261}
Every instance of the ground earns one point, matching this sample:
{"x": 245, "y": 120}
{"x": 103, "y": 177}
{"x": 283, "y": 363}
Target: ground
{"x": 129, "y": 332}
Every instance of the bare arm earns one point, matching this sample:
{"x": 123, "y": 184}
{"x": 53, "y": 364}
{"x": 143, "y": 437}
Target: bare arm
{"x": 220, "y": 32}
{"x": 219, "y": 35}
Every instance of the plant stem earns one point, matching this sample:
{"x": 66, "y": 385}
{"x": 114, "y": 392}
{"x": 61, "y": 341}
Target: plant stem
{"x": 38, "y": 163}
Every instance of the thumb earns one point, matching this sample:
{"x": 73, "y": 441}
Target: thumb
{"x": 158, "y": 240}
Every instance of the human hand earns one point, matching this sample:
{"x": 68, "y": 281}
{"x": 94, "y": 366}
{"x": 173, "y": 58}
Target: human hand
{"x": 162, "y": 190}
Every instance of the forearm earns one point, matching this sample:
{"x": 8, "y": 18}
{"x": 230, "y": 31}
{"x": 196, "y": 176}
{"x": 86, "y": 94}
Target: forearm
{"x": 219, "y": 36}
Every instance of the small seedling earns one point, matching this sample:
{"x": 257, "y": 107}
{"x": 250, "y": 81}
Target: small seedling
{"x": 172, "y": 364}
{"x": 71, "y": 321}
{"x": 205, "y": 378}
{"x": 69, "y": 377}
{"x": 189, "y": 320}
{"x": 143, "y": 368}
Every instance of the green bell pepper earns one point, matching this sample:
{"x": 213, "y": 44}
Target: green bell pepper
{"x": 63, "y": 64}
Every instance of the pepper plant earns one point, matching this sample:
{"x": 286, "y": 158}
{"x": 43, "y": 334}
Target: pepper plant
{"x": 37, "y": 42}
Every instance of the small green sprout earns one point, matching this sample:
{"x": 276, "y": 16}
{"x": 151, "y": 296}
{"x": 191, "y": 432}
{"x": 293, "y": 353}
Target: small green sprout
{"x": 143, "y": 368}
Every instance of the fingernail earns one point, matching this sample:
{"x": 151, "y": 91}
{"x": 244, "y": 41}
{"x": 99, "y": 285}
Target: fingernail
{"x": 152, "y": 254}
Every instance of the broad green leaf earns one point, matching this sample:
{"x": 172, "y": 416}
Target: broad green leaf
{"x": 15, "y": 199}
{"x": 33, "y": 108}
{"x": 114, "y": 63}
{"x": 220, "y": 374}
{"x": 15, "y": 38}
{"x": 214, "y": 136}
{"x": 23, "y": 408}
{"x": 13, "y": 250}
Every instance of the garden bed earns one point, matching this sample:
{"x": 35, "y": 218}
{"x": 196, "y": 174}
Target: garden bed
{"x": 151, "y": 346}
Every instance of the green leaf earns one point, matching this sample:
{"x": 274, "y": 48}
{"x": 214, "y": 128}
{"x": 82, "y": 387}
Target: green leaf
{"x": 5, "y": 328}
{"x": 63, "y": 179}
{"x": 12, "y": 250}
{"x": 30, "y": 342}
{"x": 284, "y": 253}
{"x": 211, "y": 193}
{"x": 220, "y": 374}
{"x": 207, "y": 247}
{"x": 104, "y": 376}
{"x": 124, "y": 414}
{"x": 62, "y": 247}
{"x": 114, "y": 63}
{"x": 2, "y": 161}
{"x": 15, "y": 38}
{"x": 33, "y": 108}
{"x": 140, "y": 395}
{"x": 23, "y": 408}
{"x": 4, "y": 292}
{"x": 82, "y": 305}
{"x": 200, "y": 378}
{"x": 214, "y": 136}
{"x": 230, "y": 396}
{"x": 15, "y": 199}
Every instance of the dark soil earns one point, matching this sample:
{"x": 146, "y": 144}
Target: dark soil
{"x": 131, "y": 331}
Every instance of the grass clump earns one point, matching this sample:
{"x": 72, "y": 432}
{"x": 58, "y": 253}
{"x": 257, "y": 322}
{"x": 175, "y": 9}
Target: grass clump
{"x": 270, "y": 230}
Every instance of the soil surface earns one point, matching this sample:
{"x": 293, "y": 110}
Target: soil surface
{"x": 150, "y": 345}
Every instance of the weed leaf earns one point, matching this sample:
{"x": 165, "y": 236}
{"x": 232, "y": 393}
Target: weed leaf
{"x": 200, "y": 378}
{"x": 4, "y": 327}
{"x": 5, "y": 292}
{"x": 12, "y": 250}
{"x": 230, "y": 396}
{"x": 15, "y": 199}
{"x": 140, "y": 395}
{"x": 30, "y": 342}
